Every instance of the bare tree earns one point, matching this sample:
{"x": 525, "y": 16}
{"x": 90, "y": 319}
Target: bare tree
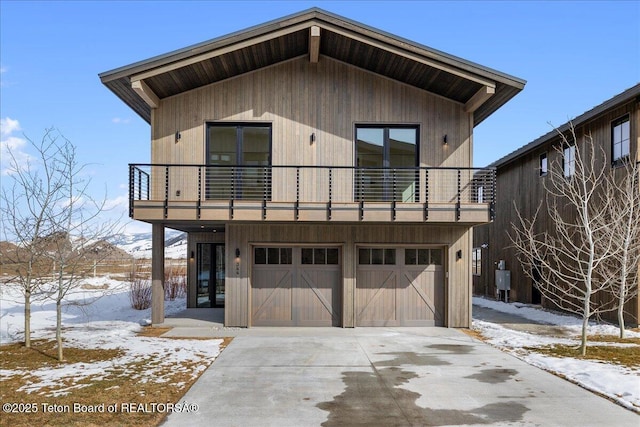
{"x": 34, "y": 190}
{"x": 80, "y": 227}
{"x": 568, "y": 259}
{"x": 57, "y": 223}
{"x": 623, "y": 224}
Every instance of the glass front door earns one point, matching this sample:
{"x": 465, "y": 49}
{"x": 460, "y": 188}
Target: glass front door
{"x": 210, "y": 275}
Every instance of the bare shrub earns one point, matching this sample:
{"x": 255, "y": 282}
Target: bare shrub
{"x": 140, "y": 289}
{"x": 175, "y": 283}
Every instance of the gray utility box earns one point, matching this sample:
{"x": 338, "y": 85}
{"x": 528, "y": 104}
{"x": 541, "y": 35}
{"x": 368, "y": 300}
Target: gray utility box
{"x": 503, "y": 282}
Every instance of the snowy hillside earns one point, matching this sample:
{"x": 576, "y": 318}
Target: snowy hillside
{"x": 139, "y": 244}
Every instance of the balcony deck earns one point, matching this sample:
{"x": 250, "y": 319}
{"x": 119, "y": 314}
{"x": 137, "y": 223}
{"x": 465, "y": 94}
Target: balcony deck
{"x": 198, "y": 193}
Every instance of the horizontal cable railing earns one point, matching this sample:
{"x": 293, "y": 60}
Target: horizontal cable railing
{"x": 311, "y": 184}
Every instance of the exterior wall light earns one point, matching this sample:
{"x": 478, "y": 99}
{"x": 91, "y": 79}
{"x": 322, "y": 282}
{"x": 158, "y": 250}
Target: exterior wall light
{"x": 444, "y": 139}
{"x": 237, "y": 252}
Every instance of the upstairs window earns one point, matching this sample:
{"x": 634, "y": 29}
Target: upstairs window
{"x": 386, "y": 158}
{"x": 569, "y": 160}
{"x": 544, "y": 164}
{"x": 620, "y": 140}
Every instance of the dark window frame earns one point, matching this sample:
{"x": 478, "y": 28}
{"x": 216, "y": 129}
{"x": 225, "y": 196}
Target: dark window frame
{"x": 543, "y": 167}
{"x": 624, "y": 157}
{"x": 237, "y": 177}
{"x": 476, "y": 261}
{"x": 571, "y": 163}
{"x": 239, "y": 138}
{"x": 284, "y": 255}
{"x": 386, "y": 255}
{"x": 386, "y": 155}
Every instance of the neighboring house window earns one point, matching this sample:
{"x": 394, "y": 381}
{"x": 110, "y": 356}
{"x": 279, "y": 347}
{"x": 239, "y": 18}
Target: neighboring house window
{"x": 476, "y": 261}
{"x": 481, "y": 194}
{"x": 379, "y": 148}
{"x": 569, "y": 160}
{"x": 620, "y": 140}
{"x": 544, "y": 164}
{"x": 245, "y": 145}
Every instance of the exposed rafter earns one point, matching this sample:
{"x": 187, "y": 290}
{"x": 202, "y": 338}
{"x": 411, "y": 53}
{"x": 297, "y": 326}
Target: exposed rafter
{"x": 145, "y": 93}
{"x": 479, "y": 98}
{"x": 314, "y": 44}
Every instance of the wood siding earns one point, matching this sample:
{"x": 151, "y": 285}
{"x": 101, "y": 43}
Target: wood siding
{"x": 457, "y": 288}
{"x": 519, "y": 183}
{"x": 299, "y": 99}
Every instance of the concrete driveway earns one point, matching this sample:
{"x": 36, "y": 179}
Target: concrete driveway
{"x": 383, "y": 377}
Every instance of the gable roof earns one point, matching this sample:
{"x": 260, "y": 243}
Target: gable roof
{"x": 622, "y": 98}
{"x": 142, "y": 84}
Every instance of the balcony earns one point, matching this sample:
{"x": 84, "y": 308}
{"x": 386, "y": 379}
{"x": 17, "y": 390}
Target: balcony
{"x": 310, "y": 194}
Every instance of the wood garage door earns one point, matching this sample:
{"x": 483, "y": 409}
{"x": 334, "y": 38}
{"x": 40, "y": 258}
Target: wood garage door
{"x": 400, "y": 287}
{"x": 296, "y": 286}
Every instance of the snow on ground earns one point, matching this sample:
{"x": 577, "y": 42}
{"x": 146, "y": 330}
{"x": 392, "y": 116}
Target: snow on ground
{"x": 108, "y": 322}
{"x": 618, "y": 383}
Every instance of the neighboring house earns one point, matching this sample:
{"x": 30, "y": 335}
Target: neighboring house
{"x": 322, "y": 171}
{"x": 615, "y": 125}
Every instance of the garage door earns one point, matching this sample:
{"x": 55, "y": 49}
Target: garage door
{"x": 296, "y": 286}
{"x": 400, "y": 287}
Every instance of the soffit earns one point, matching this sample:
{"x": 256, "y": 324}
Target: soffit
{"x": 342, "y": 39}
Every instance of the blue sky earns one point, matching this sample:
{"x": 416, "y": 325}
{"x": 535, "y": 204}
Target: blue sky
{"x": 574, "y": 55}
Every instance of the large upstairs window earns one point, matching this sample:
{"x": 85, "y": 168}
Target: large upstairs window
{"x": 386, "y": 158}
{"x": 242, "y": 154}
{"x": 620, "y": 140}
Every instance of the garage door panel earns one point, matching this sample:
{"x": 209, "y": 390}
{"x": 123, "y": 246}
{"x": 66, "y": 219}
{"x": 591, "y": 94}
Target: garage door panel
{"x": 293, "y": 293}
{"x": 271, "y": 296}
{"x": 424, "y": 296}
{"x": 317, "y": 299}
{"x": 376, "y": 297}
{"x": 407, "y": 292}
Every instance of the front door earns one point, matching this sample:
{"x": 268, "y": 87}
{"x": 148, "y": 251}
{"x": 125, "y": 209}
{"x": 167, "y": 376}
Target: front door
{"x": 210, "y": 275}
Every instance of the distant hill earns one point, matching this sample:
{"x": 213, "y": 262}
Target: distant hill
{"x": 122, "y": 246}
{"x": 139, "y": 244}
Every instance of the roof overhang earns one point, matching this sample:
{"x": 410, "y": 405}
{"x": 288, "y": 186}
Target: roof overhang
{"x": 314, "y": 33}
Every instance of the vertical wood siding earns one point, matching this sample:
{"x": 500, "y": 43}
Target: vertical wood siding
{"x": 326, "y": 99}
{"x": 242, "y": 236}
{"x": 519, "y": 183}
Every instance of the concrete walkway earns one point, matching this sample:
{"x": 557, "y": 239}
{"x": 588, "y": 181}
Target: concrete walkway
{"x": 383, "y": 377}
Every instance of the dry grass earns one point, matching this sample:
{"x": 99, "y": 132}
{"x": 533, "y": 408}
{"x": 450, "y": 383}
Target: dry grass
{"x": 627, "y": 355}
{"x": 111, "y": 387}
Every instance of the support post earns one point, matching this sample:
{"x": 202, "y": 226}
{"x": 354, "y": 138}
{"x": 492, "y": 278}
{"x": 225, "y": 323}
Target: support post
{"x": 157, "y": 274}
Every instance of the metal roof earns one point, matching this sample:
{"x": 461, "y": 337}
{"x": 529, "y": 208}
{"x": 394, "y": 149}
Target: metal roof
{"x": 288, "y": 37}
{"x": 614, "y": 102}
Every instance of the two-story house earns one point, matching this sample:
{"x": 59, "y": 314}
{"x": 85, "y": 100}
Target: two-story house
{"x": 521, "y": 175}
{"x": 322, "y": 171}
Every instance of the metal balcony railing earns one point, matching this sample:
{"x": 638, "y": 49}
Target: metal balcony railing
{"x": 311, "y": 184}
